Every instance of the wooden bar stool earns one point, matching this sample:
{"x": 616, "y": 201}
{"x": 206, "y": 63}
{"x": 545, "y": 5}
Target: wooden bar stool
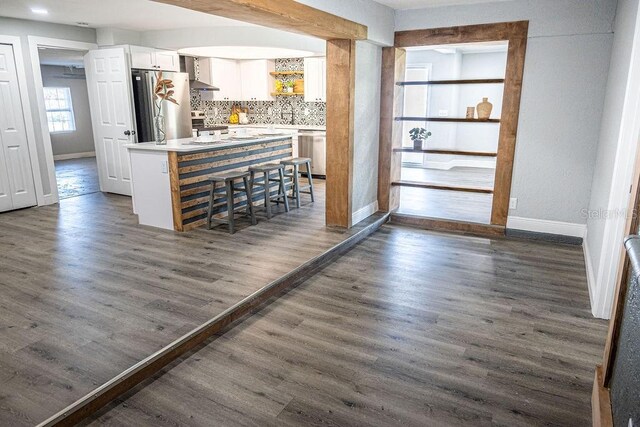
{"x": 228, "y": 178}
{"x": 266, "y": 171}
{"x": 296, "y": 188}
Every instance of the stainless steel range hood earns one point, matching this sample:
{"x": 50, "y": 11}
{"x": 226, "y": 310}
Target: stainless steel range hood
{"x": 187, "y": 66}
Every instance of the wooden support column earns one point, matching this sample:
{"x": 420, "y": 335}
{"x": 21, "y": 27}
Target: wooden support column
{"x": 391, "y": 98}
{"x": 341, "y": 70}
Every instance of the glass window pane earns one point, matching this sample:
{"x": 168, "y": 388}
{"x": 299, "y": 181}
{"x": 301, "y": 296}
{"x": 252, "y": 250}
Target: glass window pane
{"x": 59, "y": 108}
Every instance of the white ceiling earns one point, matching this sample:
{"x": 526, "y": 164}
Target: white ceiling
{"x": 135, "y": 15}
{"x": 418, "y": 4}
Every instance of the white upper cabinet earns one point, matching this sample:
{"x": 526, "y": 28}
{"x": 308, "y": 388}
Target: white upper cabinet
{"x": 148, "y": 58}
{"x": 315, "y": 79}
{"x": 223, "y": 74}
{"x": 238, "y": 80}
{"x": 257, "y": 84}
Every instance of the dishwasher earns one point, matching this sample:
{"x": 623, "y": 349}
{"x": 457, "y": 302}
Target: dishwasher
{"x": 313, "y": 144}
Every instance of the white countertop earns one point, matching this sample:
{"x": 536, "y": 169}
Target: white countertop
{"x": 187, "y": 145}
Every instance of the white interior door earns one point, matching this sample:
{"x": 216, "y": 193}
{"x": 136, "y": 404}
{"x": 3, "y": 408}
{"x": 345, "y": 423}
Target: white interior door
{"x": 17, "y": 189}
{"x": 109, "y": 84}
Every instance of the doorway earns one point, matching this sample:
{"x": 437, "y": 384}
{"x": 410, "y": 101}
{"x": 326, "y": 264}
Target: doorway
{"x": 68, "y": 116}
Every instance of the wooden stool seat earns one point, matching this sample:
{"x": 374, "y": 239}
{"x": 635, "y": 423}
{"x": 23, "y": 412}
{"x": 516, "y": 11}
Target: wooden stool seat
{"x": 228, "y": 176}
{"x": 265, "y": 185}
{"x": 269, "y": 167}
{"x": 296, "y": 161}
{"x": 228, "y": 179}
{"x": 296, "y": 188}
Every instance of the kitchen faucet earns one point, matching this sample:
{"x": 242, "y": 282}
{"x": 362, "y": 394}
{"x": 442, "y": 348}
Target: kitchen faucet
{"x": 282, "y": 111}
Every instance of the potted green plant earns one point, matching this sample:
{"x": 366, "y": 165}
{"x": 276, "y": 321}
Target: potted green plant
{"x": 289, "y": 86}
{"x": 418, "y": 136}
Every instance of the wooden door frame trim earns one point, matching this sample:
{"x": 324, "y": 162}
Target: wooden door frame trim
{"x": 38, "y": 85}
{"x": 287, "y": 15}
{"x": 513, "y": 32}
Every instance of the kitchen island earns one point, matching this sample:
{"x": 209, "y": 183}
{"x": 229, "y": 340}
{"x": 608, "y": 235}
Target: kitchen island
{"x": 170, "y": 182}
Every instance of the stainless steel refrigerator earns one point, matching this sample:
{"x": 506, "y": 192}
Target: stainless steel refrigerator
{"x": 177, "y": 118}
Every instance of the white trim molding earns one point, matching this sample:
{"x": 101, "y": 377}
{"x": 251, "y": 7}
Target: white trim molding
{"x": 546, "y": 226}
{"x": 591, "y": 277}
{"x": 74, "y": 155}
{"x": 364, "y": 212}
{"x": 34, "y": 42}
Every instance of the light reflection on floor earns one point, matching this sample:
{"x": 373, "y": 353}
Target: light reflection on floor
{"x": 77, "y": 177}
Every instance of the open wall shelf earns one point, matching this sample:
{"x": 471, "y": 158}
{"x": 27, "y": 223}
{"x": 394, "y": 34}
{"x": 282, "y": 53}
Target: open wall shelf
{"x": 452, "y": 82}
{"x": 287, "y": 73}
{"x": 453, "y": 152}
{"x": 416, "y": 184}
{"x": 445, "y": 119}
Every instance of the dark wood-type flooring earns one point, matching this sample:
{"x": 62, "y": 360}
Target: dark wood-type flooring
{"x": 445, "y": 204}
{"x": 408, "y": 328}
{"x": 86, "y": 292}
{"x": 77, "y": 177}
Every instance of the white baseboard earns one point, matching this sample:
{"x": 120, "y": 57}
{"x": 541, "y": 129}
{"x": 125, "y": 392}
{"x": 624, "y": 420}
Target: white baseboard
{"x": 74, "y": 155}
{"x": 545, "y": 226}
{"x": 591, "y": 278}
{"x": 363, "y": 213}
{"x": 467, "y": 163}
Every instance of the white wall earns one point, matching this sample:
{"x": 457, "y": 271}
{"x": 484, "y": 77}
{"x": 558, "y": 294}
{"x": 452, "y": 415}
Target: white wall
{"x": 615, "y": 160}
{"x": 565, "y": 72}
{"x": 81, "y": 140}
{"x": 366, "y": 129}
{"x": 23, "y": 29}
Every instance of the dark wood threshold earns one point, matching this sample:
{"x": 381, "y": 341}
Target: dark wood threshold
{"x": 98, "y": 398}
{"x": 445, "y": 119}
{"x": 601, "y": 413}
{"x": 453, "y": 152}
{"x": 450, "y": 82}
{"x": 436, "y": 224}
{"x": 416, "y": 184}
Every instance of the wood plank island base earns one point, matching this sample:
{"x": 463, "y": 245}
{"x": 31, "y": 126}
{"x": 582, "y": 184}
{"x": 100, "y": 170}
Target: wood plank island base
{"x": 170, "y": 182}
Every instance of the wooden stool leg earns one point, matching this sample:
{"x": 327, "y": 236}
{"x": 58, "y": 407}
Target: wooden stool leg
{"x": 296, "y": 192}
{"x": 247, "y": 189}
{"x": 210, "y": 209}
{"x": 283, "y": 189}
{"x": 310, "y": 180}
{"x": 252, "y": 178}
{"x": 267, "y": 196}
{"x": 229, "y": 185}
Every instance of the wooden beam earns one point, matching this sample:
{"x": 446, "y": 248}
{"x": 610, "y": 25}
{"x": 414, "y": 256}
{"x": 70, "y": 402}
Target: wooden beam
{"x": 391, "y": 102}
{"x": 176, "y": 198}
{"x": 463, "y": 34}
{"x": 286, "y": 15}
{"x": 601, "y": 414}
{"x": 517, "y": 33}
{"x": 341, "y": 74}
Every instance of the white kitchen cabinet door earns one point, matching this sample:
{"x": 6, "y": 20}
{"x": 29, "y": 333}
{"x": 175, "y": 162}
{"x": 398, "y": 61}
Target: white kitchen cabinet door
{"x": 143, "y": 57}
{"x": 225, "y": 75}
{"x": 167, "y": 60}
{"x": 315, "y": 70}
{"x": 257, "y": 84}
{"x": 17, "y": 189}
{"x": 109, "y": 87}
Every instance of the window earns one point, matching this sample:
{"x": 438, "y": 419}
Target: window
{"x": 57, "y": 101}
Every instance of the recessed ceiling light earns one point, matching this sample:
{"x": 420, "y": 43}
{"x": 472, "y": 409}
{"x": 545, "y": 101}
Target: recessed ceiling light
{"x": 39, "y": 11}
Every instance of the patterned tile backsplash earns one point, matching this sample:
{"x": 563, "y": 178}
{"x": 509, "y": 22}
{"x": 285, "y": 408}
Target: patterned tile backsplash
{"x": 266, "y": 112}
